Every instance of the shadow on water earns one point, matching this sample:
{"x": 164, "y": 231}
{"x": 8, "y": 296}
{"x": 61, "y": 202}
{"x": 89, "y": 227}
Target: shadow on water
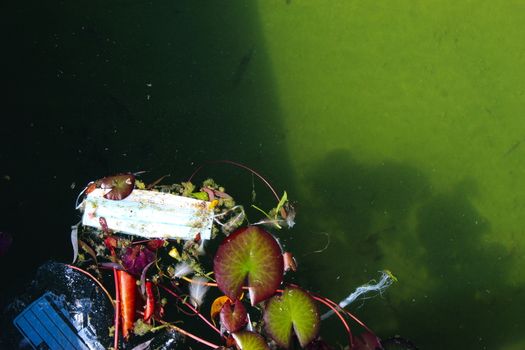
{"x": 100, "y": 88}
{"x": 452, "y": 286}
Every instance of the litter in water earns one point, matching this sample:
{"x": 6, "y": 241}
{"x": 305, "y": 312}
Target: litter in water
{"x": 150, "y": 214}
{"x": 386, "y": 281}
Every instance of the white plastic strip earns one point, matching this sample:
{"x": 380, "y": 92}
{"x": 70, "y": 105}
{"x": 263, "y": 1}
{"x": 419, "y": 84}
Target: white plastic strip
{"x": 150, "y": 214}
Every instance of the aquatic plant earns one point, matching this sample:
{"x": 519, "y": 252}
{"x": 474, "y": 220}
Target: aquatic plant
{"x": 259, "y": 309}
{"x": 249, "y": 258}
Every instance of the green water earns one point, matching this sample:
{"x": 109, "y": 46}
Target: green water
{"x": 397, "y": 126}
{"x": 405, "y": 129}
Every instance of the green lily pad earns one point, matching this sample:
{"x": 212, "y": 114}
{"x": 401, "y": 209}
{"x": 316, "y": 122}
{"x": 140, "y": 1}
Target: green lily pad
{"x": 294, "y": 309}
{"x": 249, "y": 256}
{"x": 250, "y": 341}
{"x": 233, "y": 320}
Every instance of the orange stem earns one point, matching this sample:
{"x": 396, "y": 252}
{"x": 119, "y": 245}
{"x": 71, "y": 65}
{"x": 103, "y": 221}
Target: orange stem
{"x": 117, "y": 308}
{"x": 191, "y": 335}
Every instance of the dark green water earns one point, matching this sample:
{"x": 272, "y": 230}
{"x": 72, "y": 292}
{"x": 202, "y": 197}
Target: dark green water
{"x": 397, "y": 126}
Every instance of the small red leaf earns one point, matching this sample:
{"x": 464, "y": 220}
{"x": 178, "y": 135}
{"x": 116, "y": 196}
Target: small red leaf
{"x": 150, "y": 302}
{"x": 120, "y": 186}
{"x": 367, "y": 341}
{"x": 155, "y": 244}
{"x": 136, "y": 258}
{"x": 233, "y": 320}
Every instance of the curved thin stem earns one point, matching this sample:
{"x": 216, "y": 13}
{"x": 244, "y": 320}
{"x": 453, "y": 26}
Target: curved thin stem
{"x": 209, "y": 284}
{"x": 191, "y": 335}
{"x": 349, "y": 314}
{"x": 245, "y": 167}
{"x": 191, "y": 308}
{"x": 343, "y": 321}
{"x": 94, "y": 280}
{"x": 326, "y": 302}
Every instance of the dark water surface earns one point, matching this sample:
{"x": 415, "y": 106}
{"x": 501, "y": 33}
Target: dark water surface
{"x": 95, "y": 89}
{"x": 397, "y": 126}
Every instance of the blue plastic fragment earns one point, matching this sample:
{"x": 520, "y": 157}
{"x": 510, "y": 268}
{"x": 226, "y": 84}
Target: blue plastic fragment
{"x": 47, "y": 324}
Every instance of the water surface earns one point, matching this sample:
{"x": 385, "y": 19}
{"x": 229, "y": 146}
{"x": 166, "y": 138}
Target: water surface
{"x": 397, "y": 127}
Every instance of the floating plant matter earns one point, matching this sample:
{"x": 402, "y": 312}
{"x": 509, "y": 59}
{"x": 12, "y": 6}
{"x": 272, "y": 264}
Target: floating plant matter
{"x": 293, "y": 309}
{"x": 249, "y": 255}
{"x": 160, "y": 280}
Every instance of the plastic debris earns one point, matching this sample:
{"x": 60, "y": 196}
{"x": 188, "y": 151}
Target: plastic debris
{"x": 64, "y": 309}
{"x": 49, "y": 322}
{"x": 61, "y": 309}
{"x": 386, "y": 281}
{"x": 150, "y": 214}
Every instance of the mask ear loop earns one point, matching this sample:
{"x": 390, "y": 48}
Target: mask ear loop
{"x": 229, "y": 225}
{"x": 84, "y": 191}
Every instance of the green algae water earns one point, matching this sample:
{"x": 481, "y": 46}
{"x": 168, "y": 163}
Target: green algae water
{"x": 405, "y": 130}
{"x": 397, "y": 127}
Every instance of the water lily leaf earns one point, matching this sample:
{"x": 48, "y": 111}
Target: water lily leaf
{"x": 249, "y": 256}
{"x": 120, "y": 186}
{"x": 296, "y": 310}
{"x": 319, "y": 344}
{"x": 233, "y": 317}
{"x": 216, "y": 307}
{"x": 367, "y": 341}
{"x": 250, "y": 341}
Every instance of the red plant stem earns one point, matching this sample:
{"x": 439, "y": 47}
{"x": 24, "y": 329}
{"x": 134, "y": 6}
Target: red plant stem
{"x": 240, "y": 166}
{"x": 191, "y": 308}
{"x": 327, "y": 303}
{"x": 141, "y": 241}
{"x": 117, "y": 309}
{"x": 94, "y": 280}
{"x": 117, "y": 297}
{"x": 191, "y": 335}
{"x": 150, "y": 302}
{"x": 347, "y": 327}
{"x": 352, "y": 316}
{"x": 209, "y": 284}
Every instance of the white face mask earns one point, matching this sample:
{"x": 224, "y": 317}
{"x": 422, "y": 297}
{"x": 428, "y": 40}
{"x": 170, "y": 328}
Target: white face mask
{"x": 150, "y": 214}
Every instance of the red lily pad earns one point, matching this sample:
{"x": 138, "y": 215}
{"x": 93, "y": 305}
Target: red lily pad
{"x": 249, "y": 256}
{"x": 136, "y": 258}
{"x": 250, "y": 341}
{"x": 294, "y": 309}
{"x": 367, "y": 341}
{"x": 233, "y": 317}
{"x": 120, "y": 186}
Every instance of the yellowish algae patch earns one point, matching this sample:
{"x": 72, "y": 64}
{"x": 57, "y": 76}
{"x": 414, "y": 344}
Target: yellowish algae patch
{"x": 435, "y": 90}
